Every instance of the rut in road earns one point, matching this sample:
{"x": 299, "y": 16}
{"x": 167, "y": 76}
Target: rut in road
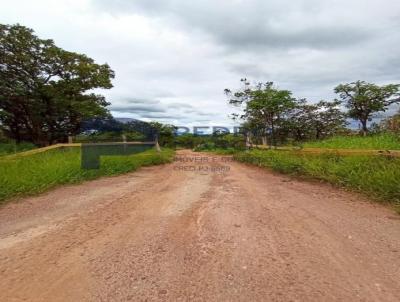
{"x": 169, "y": 233}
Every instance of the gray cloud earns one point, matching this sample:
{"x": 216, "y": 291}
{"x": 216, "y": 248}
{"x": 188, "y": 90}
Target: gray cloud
{"x": 138, "y": 106}
{"x": 179, "y": 105}
{"x": 254, "y": 24}
{"x": 159, "y": 110}
{"x": 136, "y": 109}
{"x": 173, "y": 58}
{"x": 158, "y": 116}
{"x": 141, "y": 101}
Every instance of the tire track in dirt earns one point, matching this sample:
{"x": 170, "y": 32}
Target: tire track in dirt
{"x": 166, "y": 234}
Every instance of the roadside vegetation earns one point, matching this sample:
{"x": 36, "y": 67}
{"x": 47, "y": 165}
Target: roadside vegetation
{"x": 33, "y": 174}
{"x": 382, "y": 141}
{"x": 7, "y": 148}
{"x": 377, "y": 177}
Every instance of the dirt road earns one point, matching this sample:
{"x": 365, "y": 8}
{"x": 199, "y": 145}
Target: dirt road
{"x": 199, "y": 230}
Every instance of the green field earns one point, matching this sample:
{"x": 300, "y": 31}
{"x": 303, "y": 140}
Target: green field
{"x": 37, "y": 173}
{"x": 376, "y": 176}
{"x": 376, "y": 142}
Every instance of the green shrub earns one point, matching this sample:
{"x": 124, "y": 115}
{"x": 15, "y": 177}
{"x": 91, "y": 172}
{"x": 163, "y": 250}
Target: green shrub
{"x": 9, "y": 147}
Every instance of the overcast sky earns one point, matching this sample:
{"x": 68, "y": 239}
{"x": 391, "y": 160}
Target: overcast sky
{"x": 173, "y": 58}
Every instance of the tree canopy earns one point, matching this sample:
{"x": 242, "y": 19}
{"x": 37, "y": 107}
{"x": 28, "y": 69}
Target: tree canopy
{"x": 272, "y": 112}
{"x": 363, "y": 99}
{"x": 264, "y": 105}
{"x": 45, "y": 91}
{"x": 316, "y": 121}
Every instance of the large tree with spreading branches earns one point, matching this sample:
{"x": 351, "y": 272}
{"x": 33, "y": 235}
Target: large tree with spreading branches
{"x": 364, "y": 99}
{"x": 264, "y": 105}
{"x": 45, "y": 91}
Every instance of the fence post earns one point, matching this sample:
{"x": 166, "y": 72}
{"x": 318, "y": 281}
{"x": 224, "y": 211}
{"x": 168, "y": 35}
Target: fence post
{"x": 248, "y": 140}
{"x": 157, "y": 144}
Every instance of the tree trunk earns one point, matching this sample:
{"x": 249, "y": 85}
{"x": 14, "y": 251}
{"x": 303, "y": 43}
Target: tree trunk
{"x": 248, "y": 140}
{"x": 364, "y": 129}
{"x": 39, "y": 139}
{"x": 16, "y": 134}
{"x": 273, "y": 133}
{"x": 317, "y": 134}
{"x": 157, "y": 144}
{"x": 264, "y": 140}
{"x": 298, "y": 132}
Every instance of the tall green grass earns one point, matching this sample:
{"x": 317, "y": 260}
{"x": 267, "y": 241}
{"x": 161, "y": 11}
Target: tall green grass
{"x": 10, "y": 147}
{"x": 40, "y": 172}
{"x": 377, "y": 176}
{"x": 384, "y": 141}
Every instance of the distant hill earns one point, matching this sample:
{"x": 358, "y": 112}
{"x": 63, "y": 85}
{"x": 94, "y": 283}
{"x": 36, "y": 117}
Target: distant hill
{"x": 126, "y": 120}
{"x": 114, "y": 124}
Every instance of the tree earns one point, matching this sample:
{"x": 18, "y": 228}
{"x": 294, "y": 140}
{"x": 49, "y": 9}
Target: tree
{"x": 329, "y": 119}
{"x": 164, "y": 134}
{"x": 43, "y": 88}
{"x": 316, "y": 121}
{"x": 264, "y": 104}
{"x": 364, "y": 99}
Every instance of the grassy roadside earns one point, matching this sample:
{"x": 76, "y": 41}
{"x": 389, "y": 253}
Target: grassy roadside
{"x": 385, "y": 141}
{"x": 378, "y": 177}
{"x": 37, "y": 173}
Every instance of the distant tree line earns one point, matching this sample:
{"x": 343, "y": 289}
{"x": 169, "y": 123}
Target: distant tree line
{"x": 110, "y": 129}
{"x": 273, "y": 115}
